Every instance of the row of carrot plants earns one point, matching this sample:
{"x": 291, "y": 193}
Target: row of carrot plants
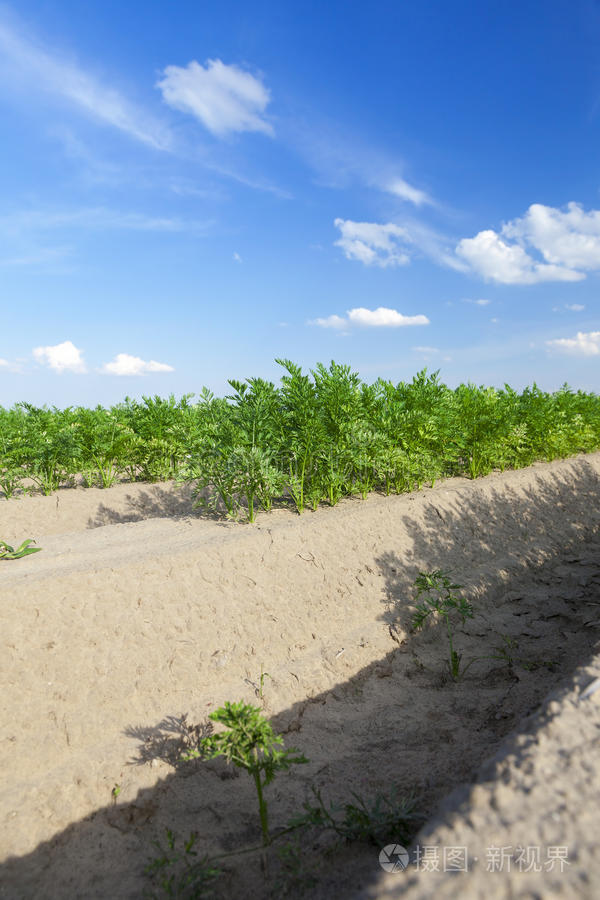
{"x": 313, "y": 438}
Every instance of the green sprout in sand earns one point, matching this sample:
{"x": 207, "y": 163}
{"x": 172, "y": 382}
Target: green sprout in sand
{"x": 8, "y": 552}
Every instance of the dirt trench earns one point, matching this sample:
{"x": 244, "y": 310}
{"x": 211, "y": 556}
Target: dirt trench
{"x": 158, "y": 619}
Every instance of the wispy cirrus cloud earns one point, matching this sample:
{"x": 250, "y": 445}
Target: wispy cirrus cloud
{"x": 37, "y": 256}
{"x": 224, "y": 98}
{"x": 126, "y": 364}
{"x": 342, "y": 159}
{"x": 97, "y": 217}
{"x": 43, "y": 71}
{"x": 405, "y": 191}
{"x": 382, "y": 317}
{"x": 392, "y": 244}
{"x": 65, "y": 357}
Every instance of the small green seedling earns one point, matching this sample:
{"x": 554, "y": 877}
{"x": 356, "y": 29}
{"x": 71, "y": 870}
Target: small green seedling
{"x": 295, "y": 877}
{"x": 439, "y": 596}
{"x": 503, "y": 652}
{"x": 507, "y": 652}
{"x": 251, "y": 744}
{"x": 263, "y": 675}
{"x": 180, "y": 872}
{"x": 8, "y": 552}
{"x": 115, "y": 792}
{"x": 385, "y": 818}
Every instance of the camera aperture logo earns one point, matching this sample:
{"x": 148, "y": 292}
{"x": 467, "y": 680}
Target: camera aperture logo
{"x": 394, "y": 858}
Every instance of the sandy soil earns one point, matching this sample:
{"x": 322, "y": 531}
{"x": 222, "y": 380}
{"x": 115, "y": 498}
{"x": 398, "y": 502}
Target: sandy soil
{"x": 140, "y": 617}
{"x": 540, "y": 791}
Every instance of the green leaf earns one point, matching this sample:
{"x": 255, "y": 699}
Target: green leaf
{"x": 8, "y": 552}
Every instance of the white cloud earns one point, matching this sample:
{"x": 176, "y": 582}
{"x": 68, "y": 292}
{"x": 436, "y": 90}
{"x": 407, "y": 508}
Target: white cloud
{"x": 15, "y": 367}
{"x": 575, "y": 307}
{"x": 125, "y": 364}
{"x": 494, "y": 259}
{"x": 566, "y": 244}
{"x": 405, "y": 191}
{"x": 223, "y": 97}
{"x": 65, "y": 357}
{"x": 40, "y": 70}
{"x": 584, "y": 344}
{"x": 372, "y": 244}
{"x": 566, "y": 238}
{"x": 478, "y": 302}
{"x": 382, "y": 317}
{"x": 337, "y": 322}
{"x": 237, "y": 258}
{"x": 384, "y": 245}
{"x": 426, "y": 350}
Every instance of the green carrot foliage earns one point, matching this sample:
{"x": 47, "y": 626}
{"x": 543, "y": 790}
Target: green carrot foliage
{"x": 314, "y": 438}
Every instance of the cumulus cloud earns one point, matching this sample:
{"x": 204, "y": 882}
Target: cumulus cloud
{"x": 237, "y": 258}
{"x": 496, "y": 260}
{"x": 405, "y": 191}
{"x": 477, "y": 302}
{"x": 373, "y": 244}
{"x": 125, "y": 364}
{"x": 382, "y": 317}
{"x": 65, "y": 357}
{"x": 584, "y": 344}
{"x": 223, "y": 97}
{"x": 575, "y": 307}
{"x": 546, "y": 244}
{"x": 568, "y": 237}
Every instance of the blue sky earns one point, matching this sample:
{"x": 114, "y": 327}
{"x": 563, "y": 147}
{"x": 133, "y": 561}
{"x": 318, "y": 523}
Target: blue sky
{"x": 190, "y": 191}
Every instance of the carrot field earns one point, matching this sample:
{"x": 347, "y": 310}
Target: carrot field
{"x": 313, "y": 438}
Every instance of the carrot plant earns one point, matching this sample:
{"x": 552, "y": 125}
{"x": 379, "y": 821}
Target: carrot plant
{"x": 11, "y": 480}
{"x": 251, "y": 744}
{"x": 390, "y": 816}
{"x": 440, "y": 600}
{"x": 305, "y": 432}
{"x": 179, "y": 871}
